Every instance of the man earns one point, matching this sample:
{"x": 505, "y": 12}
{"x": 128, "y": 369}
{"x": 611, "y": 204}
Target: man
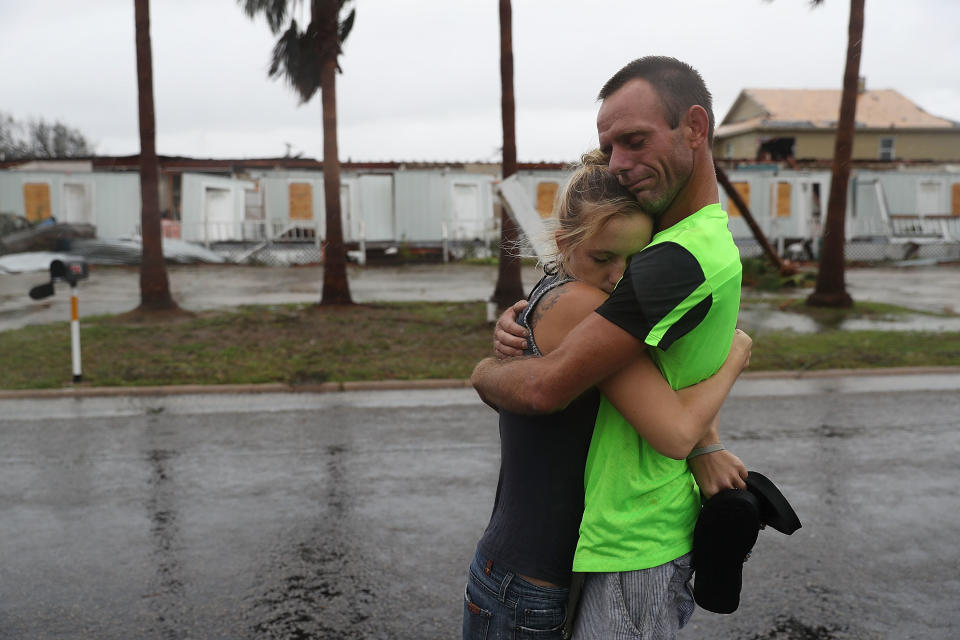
{"x": 679, "y": 298}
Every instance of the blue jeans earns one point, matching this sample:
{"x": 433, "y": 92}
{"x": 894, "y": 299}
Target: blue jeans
{"x": 498, "y": 605}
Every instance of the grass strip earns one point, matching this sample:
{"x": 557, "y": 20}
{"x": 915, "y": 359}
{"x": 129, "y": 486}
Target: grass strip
{"x": 306, "y": 344}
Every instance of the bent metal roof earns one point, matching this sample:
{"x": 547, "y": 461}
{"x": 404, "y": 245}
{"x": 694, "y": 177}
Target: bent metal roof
{"x": 238, "y": 165}
{"x": 819, "y": 108}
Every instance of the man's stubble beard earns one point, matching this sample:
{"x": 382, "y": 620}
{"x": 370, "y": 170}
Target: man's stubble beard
{"x": 658, "y": 204}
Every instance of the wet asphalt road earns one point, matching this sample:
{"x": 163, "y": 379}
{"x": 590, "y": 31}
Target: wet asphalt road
{"x": 353, "y": 515}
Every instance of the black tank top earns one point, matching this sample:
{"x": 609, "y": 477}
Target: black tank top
{"x": 539, "y": 501}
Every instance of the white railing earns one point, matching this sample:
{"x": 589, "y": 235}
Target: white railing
{"x": 243, "y": 231}
{"x": 920, "y": 228}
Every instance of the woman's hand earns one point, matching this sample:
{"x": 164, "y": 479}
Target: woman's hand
{"x": 717, "y": 471}
{"x": 509, "y": 337}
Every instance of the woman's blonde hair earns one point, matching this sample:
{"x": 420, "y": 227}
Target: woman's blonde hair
{"x": 591, "y": 198}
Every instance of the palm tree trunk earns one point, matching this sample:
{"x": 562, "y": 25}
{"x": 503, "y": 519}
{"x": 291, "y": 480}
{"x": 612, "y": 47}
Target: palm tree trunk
{"x": 336, "y": 289}
{"x": 509, "y": 287}
{"x": 831, "y": 288}
{"x": 154, "y": 285}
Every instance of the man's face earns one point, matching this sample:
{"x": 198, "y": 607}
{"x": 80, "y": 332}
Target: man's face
{"x": 651, "y": 159}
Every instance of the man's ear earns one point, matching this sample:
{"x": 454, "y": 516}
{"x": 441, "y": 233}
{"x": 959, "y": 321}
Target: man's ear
{"x": 696, "y": 126}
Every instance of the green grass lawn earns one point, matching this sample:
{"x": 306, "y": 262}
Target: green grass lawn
{"x": 306, "y": 344}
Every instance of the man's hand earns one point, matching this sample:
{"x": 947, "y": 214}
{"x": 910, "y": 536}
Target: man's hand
{"x": 510, "y": 338}
{"x": 741, "y": 348}
{"x": 717, "y": 471}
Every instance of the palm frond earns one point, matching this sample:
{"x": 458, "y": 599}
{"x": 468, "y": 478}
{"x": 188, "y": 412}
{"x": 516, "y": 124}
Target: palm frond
{"x": 298, "y": 56}
{"x": 275, "y": 11}
{"x": 295, "y": 59}
{"x": 346, "y": 26}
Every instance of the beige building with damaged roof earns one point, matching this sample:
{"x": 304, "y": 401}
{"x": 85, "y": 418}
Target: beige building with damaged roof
{"x": 801, "y": 124}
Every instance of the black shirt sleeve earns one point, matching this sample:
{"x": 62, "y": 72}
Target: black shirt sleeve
{"x": 658, "y": 283}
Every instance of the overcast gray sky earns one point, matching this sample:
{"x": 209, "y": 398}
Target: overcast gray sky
{"x": 421, "y": 77}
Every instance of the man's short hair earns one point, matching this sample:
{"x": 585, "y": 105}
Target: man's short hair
{"x": 678, "y": 84}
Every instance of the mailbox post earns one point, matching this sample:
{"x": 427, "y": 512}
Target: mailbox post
{"x": 70, "y": 272}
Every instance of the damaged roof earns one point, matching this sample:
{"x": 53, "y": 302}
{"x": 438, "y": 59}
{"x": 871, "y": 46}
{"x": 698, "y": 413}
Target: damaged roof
{"x": 238, "y": 165}
{"x": 819, "y": 109}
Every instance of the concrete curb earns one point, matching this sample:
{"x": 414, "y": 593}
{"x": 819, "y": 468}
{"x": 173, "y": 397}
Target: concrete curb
{"x": 403, "y": 385}
{"x": 223, "y": 389}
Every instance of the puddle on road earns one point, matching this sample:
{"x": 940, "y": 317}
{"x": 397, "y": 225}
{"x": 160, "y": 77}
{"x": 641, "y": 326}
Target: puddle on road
{"x": 168, "y": 592}
{"x": 317, "y": 584}
{"x": 754, "y": 318}
{"x": 789, "y": 628}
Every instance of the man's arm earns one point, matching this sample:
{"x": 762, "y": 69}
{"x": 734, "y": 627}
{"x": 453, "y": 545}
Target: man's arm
{"x": 590, "y": 353}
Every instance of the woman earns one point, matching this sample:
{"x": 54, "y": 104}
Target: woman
{"x": 519, "y": 578}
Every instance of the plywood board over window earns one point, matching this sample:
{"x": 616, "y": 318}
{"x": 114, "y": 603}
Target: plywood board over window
{"x": 782, "y": 209}
{"x": 301, "y": 201}
{"x": 36, "y": 201}
{"x": 743, "y": 188}
{"x": 955, "y": 199}
{"x": 546, "y": 194}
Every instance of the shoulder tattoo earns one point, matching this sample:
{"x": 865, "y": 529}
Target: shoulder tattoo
{"x": 547, "y": 302}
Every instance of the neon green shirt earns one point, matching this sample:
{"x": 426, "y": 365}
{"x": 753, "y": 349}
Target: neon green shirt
{"x": 681, "y": 296}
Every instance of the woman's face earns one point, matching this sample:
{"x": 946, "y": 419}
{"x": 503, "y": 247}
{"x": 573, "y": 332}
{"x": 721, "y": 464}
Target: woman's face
{"x": 601, "y": 258}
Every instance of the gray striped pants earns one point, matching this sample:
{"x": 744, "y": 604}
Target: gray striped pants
{"x": 649, "y": 604}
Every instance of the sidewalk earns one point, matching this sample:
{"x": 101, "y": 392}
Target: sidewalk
{"x": 772, "y": 383}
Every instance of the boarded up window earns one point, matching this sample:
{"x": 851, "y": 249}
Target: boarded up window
{"x": 955, "y": 199}
{"x": 36, "y": 201}
{"x": 743, "y": 188}
{"x": 546, "y": 194}
{"x": 782, "y": 209}
{"x": 301, "y": 201}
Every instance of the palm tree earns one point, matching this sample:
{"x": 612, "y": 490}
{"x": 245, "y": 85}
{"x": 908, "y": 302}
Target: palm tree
{"x": 509, "y": 288}
{"x": 830, "y": 290}
{"x": 154, "y": 284}
{"x": 308, "y": 61}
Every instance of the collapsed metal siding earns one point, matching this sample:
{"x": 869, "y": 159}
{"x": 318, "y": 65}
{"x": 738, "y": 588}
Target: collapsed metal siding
{"x": 801, "y": 223}
{"x": 906, "y": 193}
{"x": 429, "y": 203}
{"x": 531, "y": 180}
{"x": 114, "y": 198}
{"x": 424, "y": 201}
{"x": 420, "y": 204}
{"x": 275, "y": 187}
{"x": 901, "y": 190}
{"x": 117, "y": 203}
{"x": 203, "y": 221}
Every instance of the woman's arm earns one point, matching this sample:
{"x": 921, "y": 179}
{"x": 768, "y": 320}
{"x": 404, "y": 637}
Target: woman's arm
{"x": 673, "y": 422}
